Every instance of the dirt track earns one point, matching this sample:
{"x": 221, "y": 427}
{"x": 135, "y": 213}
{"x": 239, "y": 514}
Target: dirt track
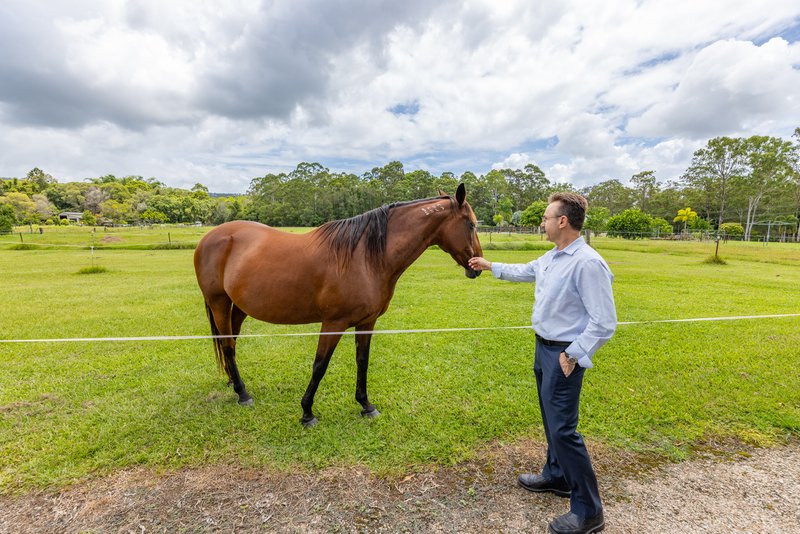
{"x": 738, "y": 490}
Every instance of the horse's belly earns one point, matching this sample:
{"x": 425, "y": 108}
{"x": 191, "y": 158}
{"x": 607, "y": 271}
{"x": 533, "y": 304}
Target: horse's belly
{"x": 281, "y": 300}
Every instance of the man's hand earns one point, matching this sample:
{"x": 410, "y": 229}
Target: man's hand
{"x": 479, "y": 264}
{"x": 566, "y": 365}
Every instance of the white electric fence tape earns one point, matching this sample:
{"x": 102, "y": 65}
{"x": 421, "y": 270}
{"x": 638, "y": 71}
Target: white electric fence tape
{"x": 374, "y": 332}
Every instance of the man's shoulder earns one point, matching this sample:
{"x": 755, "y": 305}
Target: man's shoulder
{"x": 586, "y": 253}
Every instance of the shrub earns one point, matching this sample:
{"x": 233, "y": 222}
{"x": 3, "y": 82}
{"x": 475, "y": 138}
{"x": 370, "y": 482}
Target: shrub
{"x": 630, "y": 224}
{"x": 731, "y": 229}
{"x": 89, "y": 218}
{"x": 7, "y": 219}
{"x": 661, "y": 227}
{"x": 699, "y": 224}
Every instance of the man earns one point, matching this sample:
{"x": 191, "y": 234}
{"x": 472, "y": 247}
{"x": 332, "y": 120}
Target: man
{"x": 573, "y": 316}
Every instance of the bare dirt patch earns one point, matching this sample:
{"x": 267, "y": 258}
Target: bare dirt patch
{"x": 724, "y": 490}
{"x": 111, "y": 239}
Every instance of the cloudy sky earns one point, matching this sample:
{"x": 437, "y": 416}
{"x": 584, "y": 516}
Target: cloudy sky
{"x": 220, "y": 92}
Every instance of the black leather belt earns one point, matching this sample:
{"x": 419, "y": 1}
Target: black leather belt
{"x": 550, "y": 343}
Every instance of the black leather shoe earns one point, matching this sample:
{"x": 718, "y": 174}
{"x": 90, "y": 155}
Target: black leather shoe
{"x": 539, "y": 484}
{"x": 572, "y": 524}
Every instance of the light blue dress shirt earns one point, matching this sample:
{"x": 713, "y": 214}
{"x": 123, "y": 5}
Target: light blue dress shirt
{"x": 573, "y": 301}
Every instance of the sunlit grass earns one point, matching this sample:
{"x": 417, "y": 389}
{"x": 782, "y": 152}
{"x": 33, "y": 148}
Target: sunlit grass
{"x": 74, "y": 410}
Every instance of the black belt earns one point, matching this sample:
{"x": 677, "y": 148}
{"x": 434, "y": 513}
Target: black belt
{"x": 550, "y": 343}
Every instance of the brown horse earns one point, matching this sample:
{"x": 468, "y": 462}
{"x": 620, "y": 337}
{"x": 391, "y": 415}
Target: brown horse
{"x": 342, "y": 274}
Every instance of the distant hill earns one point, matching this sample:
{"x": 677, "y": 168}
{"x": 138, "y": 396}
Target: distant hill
{"x": 220, "y": 195}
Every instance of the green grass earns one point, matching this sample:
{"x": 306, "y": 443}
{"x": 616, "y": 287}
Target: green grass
{"x": 69, "y": 411}
{"x": 158, "y": 237}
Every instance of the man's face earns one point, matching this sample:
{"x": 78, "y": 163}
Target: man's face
{"x": 551, "y": 221}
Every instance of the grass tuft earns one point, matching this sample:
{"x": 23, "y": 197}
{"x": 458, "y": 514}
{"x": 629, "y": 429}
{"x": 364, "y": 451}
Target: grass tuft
{"x": 715, "y": 260}
{"x": 93, "y": 270}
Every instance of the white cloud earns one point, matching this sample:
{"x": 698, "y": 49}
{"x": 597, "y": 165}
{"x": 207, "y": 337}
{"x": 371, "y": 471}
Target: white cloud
{"x": 730, "y": 87}
{"x": 219, "y": 93}
{"x": 516, "y": 160}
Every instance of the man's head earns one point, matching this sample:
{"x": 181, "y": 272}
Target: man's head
{"x": 572, "y": 205}
{"x": 563, "y": 218}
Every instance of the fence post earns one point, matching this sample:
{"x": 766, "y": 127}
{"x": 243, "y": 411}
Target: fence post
{"x": 588, "y": 236}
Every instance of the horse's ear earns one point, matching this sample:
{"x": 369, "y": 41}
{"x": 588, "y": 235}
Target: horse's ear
{"x": 461, "y": 194}
{"x": 443, "y": 194}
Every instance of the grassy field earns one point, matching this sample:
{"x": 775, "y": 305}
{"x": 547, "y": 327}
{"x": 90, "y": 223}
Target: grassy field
{"x": 73, "y": 410}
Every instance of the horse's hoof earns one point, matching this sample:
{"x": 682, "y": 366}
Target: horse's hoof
{"x": 310, "y": 423}
{"x": 247, "y": 403}
{"x": 371, "y": 414}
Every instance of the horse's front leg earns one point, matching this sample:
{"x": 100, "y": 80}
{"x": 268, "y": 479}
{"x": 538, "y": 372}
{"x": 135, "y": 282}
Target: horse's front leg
{"x": 362, "y": 361}
{"x": 325, "y": 347}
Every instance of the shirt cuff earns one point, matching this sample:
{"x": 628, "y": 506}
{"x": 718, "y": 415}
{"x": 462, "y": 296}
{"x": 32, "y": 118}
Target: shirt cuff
{"x": 577, "y": 352}
{"x": 497, "y": 269}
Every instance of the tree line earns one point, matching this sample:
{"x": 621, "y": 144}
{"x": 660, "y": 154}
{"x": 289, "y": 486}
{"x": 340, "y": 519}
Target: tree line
{"x": 732, "y": 183}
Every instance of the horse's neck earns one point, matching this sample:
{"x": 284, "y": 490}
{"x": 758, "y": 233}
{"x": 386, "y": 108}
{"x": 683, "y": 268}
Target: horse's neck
{"x": 412, "y": 229}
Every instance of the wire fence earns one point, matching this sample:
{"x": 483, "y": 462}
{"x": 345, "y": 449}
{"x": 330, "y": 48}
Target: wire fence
{"x": 690, "y": 235}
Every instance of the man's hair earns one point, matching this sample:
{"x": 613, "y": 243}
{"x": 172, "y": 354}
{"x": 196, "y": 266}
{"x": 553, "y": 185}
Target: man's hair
{"x": 573, "y": 205}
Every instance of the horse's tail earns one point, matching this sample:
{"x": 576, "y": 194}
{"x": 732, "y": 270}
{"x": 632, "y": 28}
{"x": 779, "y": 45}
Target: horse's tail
{"x": 218, "y": 348}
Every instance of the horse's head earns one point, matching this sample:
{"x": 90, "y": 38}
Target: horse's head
{"x": 458, "y": 234}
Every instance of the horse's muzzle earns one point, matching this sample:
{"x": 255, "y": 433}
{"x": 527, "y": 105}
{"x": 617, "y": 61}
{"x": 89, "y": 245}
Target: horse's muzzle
{"x": 471, "y": 273}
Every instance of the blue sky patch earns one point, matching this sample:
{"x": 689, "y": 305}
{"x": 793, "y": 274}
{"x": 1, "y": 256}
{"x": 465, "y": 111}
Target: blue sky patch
{"x": 406, "y": 108}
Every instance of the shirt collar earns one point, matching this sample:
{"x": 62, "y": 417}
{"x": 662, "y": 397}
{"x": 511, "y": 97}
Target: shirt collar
{"x": 573, "y": 247}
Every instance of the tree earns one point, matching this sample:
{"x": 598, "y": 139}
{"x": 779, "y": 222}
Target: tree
{"x": 41, "y": 179}
{"x": 611, "y": 194}
{"x": 497, "y": 188}
{"x": 712, "y": 170}
{"x": 526, "y": 186}
{"x": 632, "y": 223}
{"x": 94, "y": 198}
{"x": 116, "y": 211}
{"x": 505, "y": 208}
{"x": 113, "y": 190}
{"x": 532, "y": 215}
{"x": 597, "y": 219}
{"x": 685, "y": 216}
{"x": 644, "y": 187}
{"x": 44, "y": 208}
{"x": 152, "y": 216}
{"x": 383, "y": 180}
{"x": 24, "y": 208}
{"x": 796, "y": 182}
{"x": 769, "y": 162}
{"x": 666, "y": 201}
{"x": 7, "y": 218}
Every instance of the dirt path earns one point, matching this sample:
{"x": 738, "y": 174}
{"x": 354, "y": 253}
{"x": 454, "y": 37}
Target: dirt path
{"x": 740, "y": 490}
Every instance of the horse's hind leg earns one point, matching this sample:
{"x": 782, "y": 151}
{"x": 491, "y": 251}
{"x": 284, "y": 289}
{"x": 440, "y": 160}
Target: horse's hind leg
{"x": 227, "y": 320}
{"x": 237, "y": 318}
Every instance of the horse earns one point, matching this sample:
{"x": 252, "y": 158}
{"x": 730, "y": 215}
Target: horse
{"x": 342, "y": 274}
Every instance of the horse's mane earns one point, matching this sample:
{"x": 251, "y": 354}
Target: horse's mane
{"x": 343, "y": 236}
